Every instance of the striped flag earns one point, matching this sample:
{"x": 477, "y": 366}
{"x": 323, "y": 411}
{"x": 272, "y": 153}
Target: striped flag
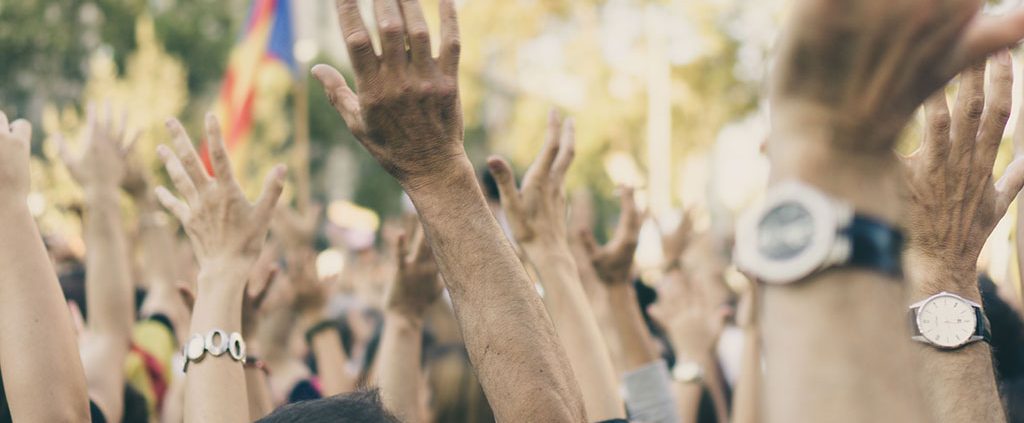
{"x": 266, "y": 42}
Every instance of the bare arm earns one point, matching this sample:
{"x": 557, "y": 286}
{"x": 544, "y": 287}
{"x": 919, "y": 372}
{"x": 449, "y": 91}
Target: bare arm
{"x": 746, "y": 404}
{"x": 415, "y": 288}
{"x": 837, "y": 110}
{"x": 537, "y": 215}
{"x": 521, "y": 365}
{"x": 227, "y": 234}
{"x": 947, "y": 237}
{"x": 109, "y": 288}
{"x": 37, "y": 341}
{"x": 331, "y": 363}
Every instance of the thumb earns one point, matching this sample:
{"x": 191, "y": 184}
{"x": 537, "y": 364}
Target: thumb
{"x": 505, "y": 179}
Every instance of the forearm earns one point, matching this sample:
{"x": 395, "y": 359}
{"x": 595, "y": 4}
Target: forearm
{"x": 331, "y": 363}
{"x": 400, "y": 372}
{"x": 948, "y": 376}
{"x": 510, "y": 338}
{"x": 841, "y": 320}
{"x": 215, "y": 389}
{"x": 37, "y": 341}
{"x": 156, "y": 243}
{"x": 630, "y": 328}
{"x": 689, "y": 394}
{"x": 109, "y": 289}
{"x": 578, "y": 330}
{"x": 746, "y": 406}
{"x": 258, "y": 393}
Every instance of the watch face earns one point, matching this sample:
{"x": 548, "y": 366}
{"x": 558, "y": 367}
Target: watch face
{"x": 785, "y": 231}
{"x": 947, "y": 321}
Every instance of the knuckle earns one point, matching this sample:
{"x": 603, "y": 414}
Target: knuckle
{"x": 419, "y": 34}
{"x": 359, "y": 41}
{"x": 390, "y": 28}
{"x": 940, "y": 123}
{"x": 453, "y": 46}
{"x": 1001, "y": 112}
{"x": 974, "y": 108}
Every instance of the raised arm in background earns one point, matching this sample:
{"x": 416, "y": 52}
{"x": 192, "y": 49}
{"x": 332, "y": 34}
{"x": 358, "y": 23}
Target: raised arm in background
{"x": 227, "y": 234}
{"x": 694, "y": 324}
{"x": 416, "y": 286}
{"x": 42, "y": 373}
{"x": 408, "y": 116}
{"x": 848, "y": 77}
{"x": 953, "y": 206}
{"x": 109, "y": 291}
{"x": 156, "y": 242}
{"x": 746, "y": 401}
{"x": 646, "y": 376}
{"x": 537, "y": 214}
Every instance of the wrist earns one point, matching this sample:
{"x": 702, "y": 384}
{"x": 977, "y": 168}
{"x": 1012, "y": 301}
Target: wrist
{"x": 223, "y": 276}
{"x": 101, "y": 194}
{"x": 404, "y": 321}
{"x": 440, "y": 174}
{"x": 930, "y": 274}
{"x": 812, "y": 155}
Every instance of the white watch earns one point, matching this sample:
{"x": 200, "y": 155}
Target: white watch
{"x": 799, "y": 231}
{"x": 215, "y": 343}
{"x": 687, "y": 372}
{"x": 948, "y": 321}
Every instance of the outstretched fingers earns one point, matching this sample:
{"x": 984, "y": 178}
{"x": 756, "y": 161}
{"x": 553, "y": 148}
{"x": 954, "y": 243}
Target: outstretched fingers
{"x": 273, "y": 185}
{"x": 566, "y": 152}
{"x": 985, "y": 35}
{"x": 418, "y": 34}
{"x": 179, "y": 176}
{"x": 357, "y": 38}
{"x": 187, "y": 153}
{"x": 506, "y": 181}
{"x": 218, "y": 153}
{"x": 541, "y": 167}
{"x": 177, "y": 207}
{"x": 997, "y": 112}
{"x": 451, "y": 45}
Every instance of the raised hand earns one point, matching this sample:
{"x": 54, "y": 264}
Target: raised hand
{"x": 692, "y": 317}
{"x": 614, "y": 260}
{"x": 226, "y": 230}
{"x": 15, "y": 149}
{"x": 102, "y": 163}
{"x": 860, "y": 69}
{"x": 674, "y": 243}
{"x": 536, "y": 211}
{"x": 294, "y": 228}
{"x": 953, "y": 204}
{"x": 417, "y": 284}
{"x": 414, "y": 147}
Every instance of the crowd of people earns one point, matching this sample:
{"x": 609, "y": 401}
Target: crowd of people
{"x": 861, "y": 297}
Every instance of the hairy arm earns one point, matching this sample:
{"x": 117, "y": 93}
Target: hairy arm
{"x": 518, "y": 360}
{"x": 949, "y": 227}
{"x": 37, "y": 341}
{"x": 511, "y": 340}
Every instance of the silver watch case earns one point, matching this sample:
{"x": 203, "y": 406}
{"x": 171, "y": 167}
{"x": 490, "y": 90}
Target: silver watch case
{"x": 828, "y": 247}
{"x": 917, "y": 320}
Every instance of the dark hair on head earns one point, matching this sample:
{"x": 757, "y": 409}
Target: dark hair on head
{"x": 136, "y": 407}
{"x": 359, "y": 406}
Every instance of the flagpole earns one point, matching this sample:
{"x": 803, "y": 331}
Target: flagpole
{"x": 300, "y": 167}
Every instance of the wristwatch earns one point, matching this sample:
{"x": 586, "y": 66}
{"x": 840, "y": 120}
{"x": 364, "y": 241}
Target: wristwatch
{"x": 948, "y": 321}
{"x": 687, "y": 372}
{"x": 799, "y": 231}
{"x": 215, "y": 343}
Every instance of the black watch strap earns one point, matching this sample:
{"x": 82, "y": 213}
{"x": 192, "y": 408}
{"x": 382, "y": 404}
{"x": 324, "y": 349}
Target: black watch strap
{"x": 983, "y": 330}
{"x": 875, "y": 245}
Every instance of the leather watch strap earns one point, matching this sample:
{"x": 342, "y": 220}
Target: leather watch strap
{"x": 875, "y": 245}
{"x": 983, "y": 330}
